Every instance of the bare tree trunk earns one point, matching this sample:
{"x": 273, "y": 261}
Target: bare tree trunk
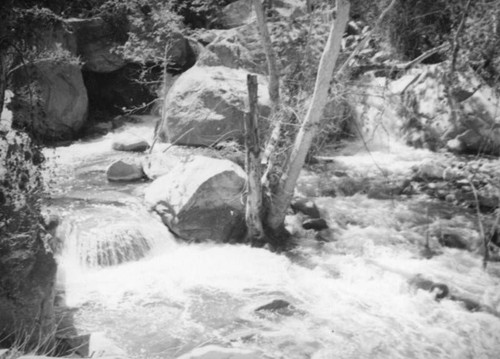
{"x": 450, "y": 77}
{"x": 253, "y": 211}
{"x": 284, "y": 192}
{"x": 274, "y": 85}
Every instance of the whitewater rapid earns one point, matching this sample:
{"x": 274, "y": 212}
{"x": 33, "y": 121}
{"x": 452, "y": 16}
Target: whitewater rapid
{"x": 351, "y": 297}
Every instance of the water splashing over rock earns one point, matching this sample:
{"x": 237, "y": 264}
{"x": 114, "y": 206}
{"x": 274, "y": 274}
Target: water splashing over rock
{"x": 105, "y": 235}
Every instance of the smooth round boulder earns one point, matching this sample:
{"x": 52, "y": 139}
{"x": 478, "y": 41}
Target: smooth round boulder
{"x": 121, "y": 171}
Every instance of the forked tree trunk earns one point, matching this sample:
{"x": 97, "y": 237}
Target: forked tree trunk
{"x": 284, "y": 192}
{"x": 253, "y": 211}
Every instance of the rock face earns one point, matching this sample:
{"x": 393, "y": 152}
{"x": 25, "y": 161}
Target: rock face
{"x": 26, "y": 292}
{"x": 201, "y": 199}
{"x": 207, "y": 105}
{"x": 58, "y": 101}
{"x": 95, "y": 38}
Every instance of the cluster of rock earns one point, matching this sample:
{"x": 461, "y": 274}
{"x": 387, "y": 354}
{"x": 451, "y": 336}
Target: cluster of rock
{"x": 52, "y": 95}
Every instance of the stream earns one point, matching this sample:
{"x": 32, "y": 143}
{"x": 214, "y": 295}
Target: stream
{"x": 157, "y": 297}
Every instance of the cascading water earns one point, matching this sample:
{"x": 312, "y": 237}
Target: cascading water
{"x": 105, "y": 235}
{"x": 350, "y": 298}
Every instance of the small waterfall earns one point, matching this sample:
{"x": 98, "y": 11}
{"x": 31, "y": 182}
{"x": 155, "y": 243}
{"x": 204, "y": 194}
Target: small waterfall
{"x": 105, "y": 235}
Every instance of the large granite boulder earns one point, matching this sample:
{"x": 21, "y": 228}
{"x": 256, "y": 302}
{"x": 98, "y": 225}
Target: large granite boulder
{"x": 51, "y": 99}
{"x": 95, "y": 39}
{"x": 207, "y": 105}
{"x": 201, "y": 199}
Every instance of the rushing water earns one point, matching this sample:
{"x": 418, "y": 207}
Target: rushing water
{"x": 157, "y": 297}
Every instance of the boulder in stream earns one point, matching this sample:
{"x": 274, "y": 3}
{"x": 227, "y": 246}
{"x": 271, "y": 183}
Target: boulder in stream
{"x": 130, "y": 142}
{"x": 201, "y": 199}
{"x": 316, "y": 224}
{"x": 305, "y": 206}
{"x": 121, "y": 171}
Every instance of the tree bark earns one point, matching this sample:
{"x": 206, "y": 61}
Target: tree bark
{"x": 284, "y": 192}
{"x": 253, "y": 210}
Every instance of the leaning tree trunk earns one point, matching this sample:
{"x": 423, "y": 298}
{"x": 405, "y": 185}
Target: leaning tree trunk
{"x": 283, "y": 193}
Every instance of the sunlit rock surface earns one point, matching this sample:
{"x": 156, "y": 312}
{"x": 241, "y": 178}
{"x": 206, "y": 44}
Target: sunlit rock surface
{"x": 207, "y": 105}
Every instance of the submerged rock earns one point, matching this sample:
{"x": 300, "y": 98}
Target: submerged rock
{"x": 305, "y": 206}
{"x": 439, "y": 290}
{"x": 453, "y": 240}
{"x": 201, "y": 199}
{"x": 317, "y": 224}
{"x": 278, "y": 306}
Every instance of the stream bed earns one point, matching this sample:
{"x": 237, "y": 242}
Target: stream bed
{"x": 349, "y": 298}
